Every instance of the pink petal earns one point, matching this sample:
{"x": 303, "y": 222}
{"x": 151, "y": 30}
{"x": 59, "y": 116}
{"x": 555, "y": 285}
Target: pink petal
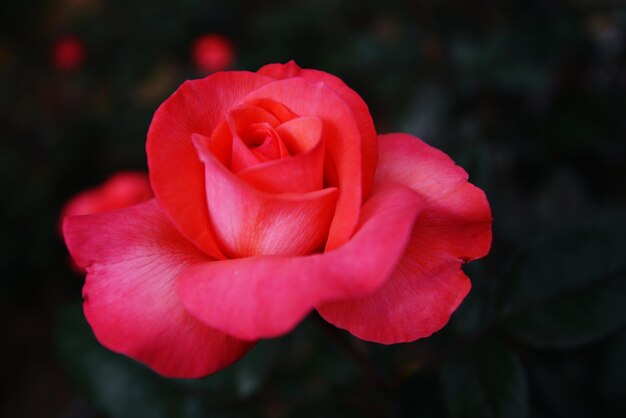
{"x": 254, "y": 138}
{"x": 414, "y": 303}
{"x": 369, "y": 141}
{"x": 458, "y": 219}
{"x": 300, "y": 173}
{"x": 428, "y": 284}
{"x": 131, "y": 257}
{"x": 243, "y": 157}
{"x": 262, "y": 297}
{"x": 250, "y": 222}
{"x": 279, "y": 110}
{"x": 241, "y": 117}
{"x": 280, "y": 71}
{"x": 220, "y": 144}
{"x": 342, "y": 140}
{"x": 196, "y": 107}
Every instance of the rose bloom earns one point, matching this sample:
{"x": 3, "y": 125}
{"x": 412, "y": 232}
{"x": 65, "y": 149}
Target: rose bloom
{"x": 274, "y": 196}
{"x": 212, "y": 53}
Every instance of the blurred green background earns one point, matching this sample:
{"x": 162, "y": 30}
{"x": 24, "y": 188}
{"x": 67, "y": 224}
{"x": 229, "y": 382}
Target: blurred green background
{"x": 528, "y": 96}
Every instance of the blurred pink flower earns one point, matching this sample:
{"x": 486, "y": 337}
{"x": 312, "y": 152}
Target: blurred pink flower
{"x": 119, "y": 191}
{"x": 68, "y": 53}
{"x": 212, "y": 53}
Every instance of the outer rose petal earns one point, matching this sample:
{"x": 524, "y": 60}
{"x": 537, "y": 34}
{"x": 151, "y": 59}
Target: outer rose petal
{"x": 131, "y": 257}
{"x": 458, "y": 219}
{"x": 369, "y": 141}
{"x": 428, "y": 284}
{"x": 176, "y": 174}
{"x": 415, "y": 302}
{"x": 342, "y": 140}
{"x": 262, "y": 297}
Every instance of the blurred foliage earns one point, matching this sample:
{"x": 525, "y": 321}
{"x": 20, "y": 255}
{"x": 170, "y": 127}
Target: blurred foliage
{"x": 528, "y": 96}
{"x": 487, "y": 380}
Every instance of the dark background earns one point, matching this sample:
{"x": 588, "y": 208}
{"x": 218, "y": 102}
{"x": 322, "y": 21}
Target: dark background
{"x": 528, "y": 96}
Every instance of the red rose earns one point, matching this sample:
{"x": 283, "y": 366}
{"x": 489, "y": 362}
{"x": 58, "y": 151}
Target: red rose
{"x": 213, "y": 53}
{"x": 274, "y": 197}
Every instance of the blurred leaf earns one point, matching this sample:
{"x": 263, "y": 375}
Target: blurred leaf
{"x": 316, "y": 377}
{"x": 243, "y": 378}
{"x": 569, "y": 289}
{"x": 113, "y": 383}
{"x": 477, "y": 310}
{"x": 124, "y": 388}
{"x": 613, "y": 376}
{"x": 562, "y": 263}
{"x": 486, "y": 381}
{"x": 573, "y": 318}
{"x": 419, "y": 393}
{"x": 561, "y": 384}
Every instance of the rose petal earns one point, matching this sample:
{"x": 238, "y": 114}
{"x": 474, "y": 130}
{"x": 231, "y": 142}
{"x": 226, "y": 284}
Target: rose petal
{"x": 414, "y": 303}
{"x": 262, "y": 297}
{"x": 241, "y": 117}
{"x": 458, "y": 218}
{"x": 280, "y": 71}
{"x": 278, "y": 110}
{"x": 428, "y": 284}
{"x": 254, "y": 138}
{"x": 196, "y": 107}
{"x": 220, "y": 144}
{"x": 369, "y": 141}
{"x": 131, "y": 257}
{"x": 301, "y": 135}
{"x": 300, "y": 173}
{"x": 251, "y": 222}
{"x": 243, "y": 157}
{"x": 342, "y": 140}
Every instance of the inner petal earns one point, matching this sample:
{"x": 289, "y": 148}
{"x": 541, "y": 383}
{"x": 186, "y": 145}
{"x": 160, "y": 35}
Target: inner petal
{"x": 241, "y": 117}
{"x": 343, "y": 144}
{"x": 251, "y": 222}
{"x": 301, "y": 135}
{"x": 303, "y": 171}
{"x": 265, "y": 142}
{"x": 254, "y": 139}
{"x": 278, "y": 110}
